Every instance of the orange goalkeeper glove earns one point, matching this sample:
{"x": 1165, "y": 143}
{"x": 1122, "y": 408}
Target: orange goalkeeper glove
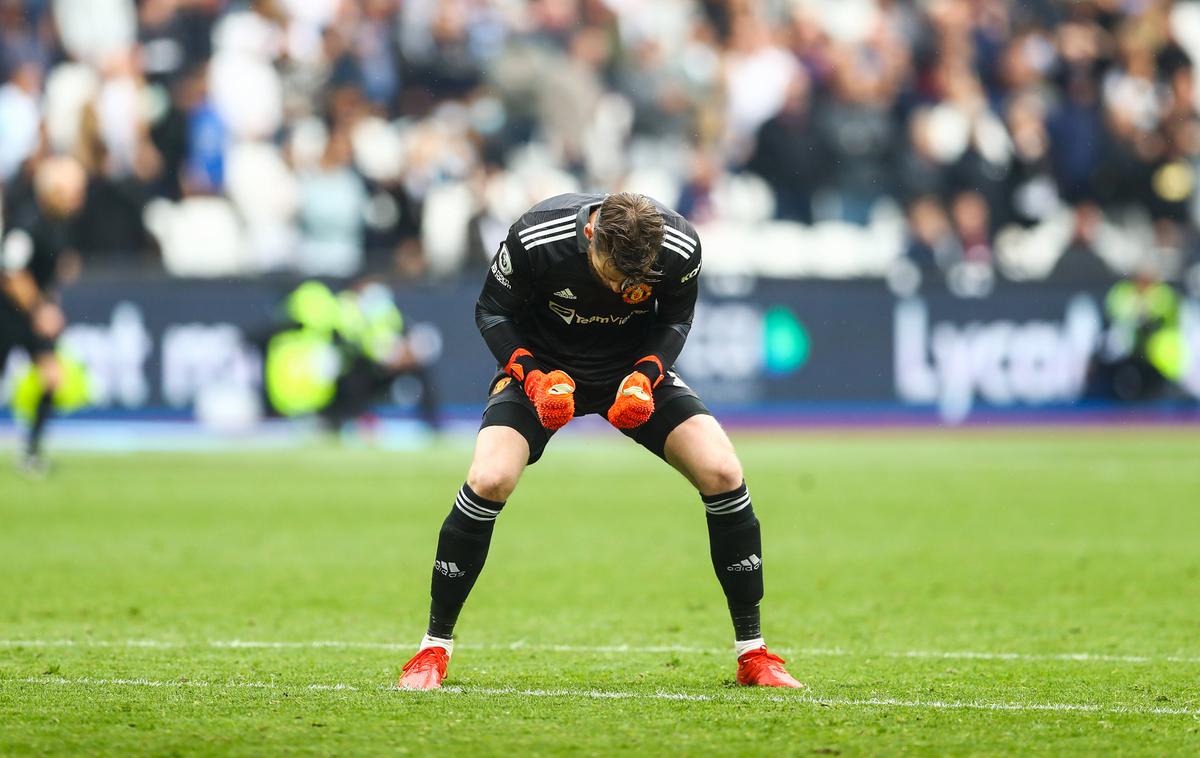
{"x": 553, "y": 395}
{"x": 635, "y": 397}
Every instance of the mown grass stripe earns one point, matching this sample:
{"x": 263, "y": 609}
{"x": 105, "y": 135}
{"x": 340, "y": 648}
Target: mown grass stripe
{"x": 980, "y": 655}
{"x": 751, "y": 696}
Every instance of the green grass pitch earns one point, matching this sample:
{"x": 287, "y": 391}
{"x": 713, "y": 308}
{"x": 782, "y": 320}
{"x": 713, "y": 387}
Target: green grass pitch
{"x": 940, "y": 593}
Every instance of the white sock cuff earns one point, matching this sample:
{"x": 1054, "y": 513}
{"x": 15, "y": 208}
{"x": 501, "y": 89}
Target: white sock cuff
{"x": 745, "y": 646}
{"x": 430, "y": 641}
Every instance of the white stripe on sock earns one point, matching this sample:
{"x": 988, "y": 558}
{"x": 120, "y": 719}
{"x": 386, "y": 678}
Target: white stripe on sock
{"x": 467, "y": 498}
{"x": 471, "y": 512}
{"x": 730, "y": 499}
{"x": 728, "y": 506}
{"x": 430, "y": 641}
{"x": 745, "y": 646}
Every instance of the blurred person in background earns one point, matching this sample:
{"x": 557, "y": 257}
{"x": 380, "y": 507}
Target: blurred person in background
{"x": 862, "y": 84}
{"x": 336, "y": 355}
{"x": 115, "y": 147}
{"x": 1075, "y": 125}
{"x": 19, "y": 119}
{"x": 93, "y": 30}
{"x": 1143, "y": 351}
{"x": 789, "y": 155}
{"x": 333, "y": 203}
{"x": 208, "y": 137}
{"x": 1043, "y": 109}
{"x": 36, "y": 248}
{"x": 27, "y": 35}
{"x": 379, "y": 352}
{"x": 931, "y": 247}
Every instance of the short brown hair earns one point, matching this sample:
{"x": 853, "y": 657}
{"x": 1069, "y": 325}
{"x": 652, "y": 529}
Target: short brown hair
{"x": 629, "y": 232}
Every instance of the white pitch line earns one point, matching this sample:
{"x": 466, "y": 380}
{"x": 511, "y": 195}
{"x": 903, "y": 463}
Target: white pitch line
{"x": 610, "y": 649}
{"x": 183, "y": 683}
{"x": 620, "y": 695}
{"x": 826, "y": 701}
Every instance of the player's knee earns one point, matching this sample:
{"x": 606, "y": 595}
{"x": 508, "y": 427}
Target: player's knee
{"x": 50, "y": 372}
{"x": 722, "y": 475}
{"x": 492, "y": 481}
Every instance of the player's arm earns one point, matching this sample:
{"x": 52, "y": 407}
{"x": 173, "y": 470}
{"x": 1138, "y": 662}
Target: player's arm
{"x": 19, "y": 284}
{"x": 15, "y": 278}
{"x": 677, "y": 295}
{"x": 506, "y": 291}
{"x": 673, "y": 322}
{"x": 21, "y": 289}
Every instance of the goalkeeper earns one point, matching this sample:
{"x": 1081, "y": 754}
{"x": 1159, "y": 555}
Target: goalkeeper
{"x": 586, "y": 307}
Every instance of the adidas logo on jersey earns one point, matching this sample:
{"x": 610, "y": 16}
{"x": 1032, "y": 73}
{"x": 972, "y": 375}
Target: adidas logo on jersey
{"x": 449, "y": 569}
{"x": 567, "y": 294}
{"x": 753, "y": 563}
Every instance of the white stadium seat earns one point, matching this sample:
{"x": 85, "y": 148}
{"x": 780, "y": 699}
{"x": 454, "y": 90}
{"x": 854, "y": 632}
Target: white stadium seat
{"x": 199, "y": 237}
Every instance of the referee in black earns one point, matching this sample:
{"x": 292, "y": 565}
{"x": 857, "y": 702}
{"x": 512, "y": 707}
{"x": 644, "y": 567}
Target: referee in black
{"x": 34, "y": 246}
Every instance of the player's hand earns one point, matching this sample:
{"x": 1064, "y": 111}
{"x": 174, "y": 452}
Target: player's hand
{"x": 48, "y": 320}
{"x": 634, "y": 404}
{"x": 553, "y": 395}
{"x": 635, "y": 396}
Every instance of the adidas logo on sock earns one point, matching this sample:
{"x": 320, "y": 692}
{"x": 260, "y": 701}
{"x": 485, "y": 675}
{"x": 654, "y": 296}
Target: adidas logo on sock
{"x": 753, "y": 563}
{"x": 448, "y": 569}
{"x": 567, "y": 293}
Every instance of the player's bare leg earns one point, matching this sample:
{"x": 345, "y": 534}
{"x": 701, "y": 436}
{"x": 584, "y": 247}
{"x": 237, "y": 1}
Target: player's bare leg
{"x": 500, "y": 456}
{"x": 700, "y": 450}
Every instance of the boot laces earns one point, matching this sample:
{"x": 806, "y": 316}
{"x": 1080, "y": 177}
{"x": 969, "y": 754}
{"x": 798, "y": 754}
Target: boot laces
{"x": 424, "y": 660}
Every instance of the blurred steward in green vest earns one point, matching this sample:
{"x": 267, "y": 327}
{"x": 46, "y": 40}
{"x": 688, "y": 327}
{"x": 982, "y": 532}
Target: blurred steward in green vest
{"x": 1144, "y": 347}
{"x": 337, "y": 354}
{"x": 302, "y": 361}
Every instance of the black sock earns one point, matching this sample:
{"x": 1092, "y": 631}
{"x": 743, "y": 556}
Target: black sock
{"x": 735, "y": 542}
{"x": 461, "y": 551}
{"x": 41, "y": 415}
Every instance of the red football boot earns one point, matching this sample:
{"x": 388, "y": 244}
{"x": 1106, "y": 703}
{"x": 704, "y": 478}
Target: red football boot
{"x": 425, "y": 670}
{"x": 758, "y": 668}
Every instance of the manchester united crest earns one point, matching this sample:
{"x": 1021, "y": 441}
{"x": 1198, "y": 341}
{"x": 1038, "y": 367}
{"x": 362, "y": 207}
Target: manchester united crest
{"x": 500, "y": 385}
{"x": 637, "y": 293}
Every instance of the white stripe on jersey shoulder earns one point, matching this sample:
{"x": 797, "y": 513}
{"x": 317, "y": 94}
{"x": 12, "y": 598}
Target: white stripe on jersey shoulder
{"x": 568, "y": 235}
{"x": 680, "y": 237}
{"x": 544, "y": 224}
{"x": 669, "y": 244}
{"x": 548, "y": 232}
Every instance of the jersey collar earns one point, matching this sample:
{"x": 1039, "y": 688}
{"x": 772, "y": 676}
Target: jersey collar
{"x": 581, "y": 219}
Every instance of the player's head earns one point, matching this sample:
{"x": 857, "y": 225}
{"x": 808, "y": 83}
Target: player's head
{"x": 60, "y": 183}
{"x": 626, "y": 235}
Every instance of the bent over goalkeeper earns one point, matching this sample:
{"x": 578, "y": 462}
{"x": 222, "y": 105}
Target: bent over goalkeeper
{"x": 586, "y": 307}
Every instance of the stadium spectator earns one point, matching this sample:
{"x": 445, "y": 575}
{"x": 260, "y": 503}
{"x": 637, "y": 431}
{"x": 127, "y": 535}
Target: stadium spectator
{"x": 18, "y": 119}
{"x": 1039, "y": 109}
{"x": 789, "y": 154}
{"x": 332, "y": 206}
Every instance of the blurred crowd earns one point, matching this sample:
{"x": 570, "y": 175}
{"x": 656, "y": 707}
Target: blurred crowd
{"x": 336, "y": 137}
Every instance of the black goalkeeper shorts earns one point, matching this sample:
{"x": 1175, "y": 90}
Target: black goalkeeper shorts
{"x": 674, "y": 403}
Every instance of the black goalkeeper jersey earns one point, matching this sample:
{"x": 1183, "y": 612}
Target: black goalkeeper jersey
{"x": 541, "y": 295}
{"x": 32, "y": 243}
